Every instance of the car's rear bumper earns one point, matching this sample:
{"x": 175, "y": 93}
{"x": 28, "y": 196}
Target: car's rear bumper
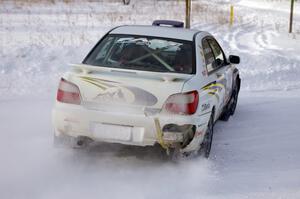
{"x": 121, "y": 127}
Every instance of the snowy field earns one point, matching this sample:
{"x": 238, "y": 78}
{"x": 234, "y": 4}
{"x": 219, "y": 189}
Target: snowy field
{"x": 254, "y": 155}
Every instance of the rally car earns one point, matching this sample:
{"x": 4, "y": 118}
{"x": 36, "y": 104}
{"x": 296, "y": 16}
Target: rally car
{"x": 146, "y": 85}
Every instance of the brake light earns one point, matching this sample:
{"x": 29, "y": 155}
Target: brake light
{"x": 68, "y": 92}
{"x": 183, "y": 103}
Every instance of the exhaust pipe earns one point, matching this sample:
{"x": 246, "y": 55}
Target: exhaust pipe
{"x": 82, "y": 142}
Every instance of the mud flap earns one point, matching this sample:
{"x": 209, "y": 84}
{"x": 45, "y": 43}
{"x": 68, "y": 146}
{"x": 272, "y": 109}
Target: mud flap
{"x": 159, "y": 135}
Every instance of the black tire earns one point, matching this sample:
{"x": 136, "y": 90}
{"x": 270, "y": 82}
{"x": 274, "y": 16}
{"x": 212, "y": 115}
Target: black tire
{"x": 226, "y": 113}
{"x": 175, "y": 155}
{"x": 231, "y": 105}
{"x": 208, "y": 138}
{"x": 62, "y": 141}
{"x": 65, "y": 141}
{"x": 234, "y": 101}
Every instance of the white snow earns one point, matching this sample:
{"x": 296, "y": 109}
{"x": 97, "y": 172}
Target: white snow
{"x": 254, "y": 155}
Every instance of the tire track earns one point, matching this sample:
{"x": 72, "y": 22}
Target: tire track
{"x": 265, "y": 65}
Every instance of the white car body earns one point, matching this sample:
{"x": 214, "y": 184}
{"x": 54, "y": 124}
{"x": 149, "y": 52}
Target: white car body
{"x": 138, "y": 117}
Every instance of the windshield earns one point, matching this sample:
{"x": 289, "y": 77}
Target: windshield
{"x": 143, "y": 53}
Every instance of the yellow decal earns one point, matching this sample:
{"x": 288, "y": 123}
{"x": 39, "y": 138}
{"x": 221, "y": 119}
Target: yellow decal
{"x": 213, "y": 89}
{"x": 97, "y": 82}
{"x": 160, "y": 135}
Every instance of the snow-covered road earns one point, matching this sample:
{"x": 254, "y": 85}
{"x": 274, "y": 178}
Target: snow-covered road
{"x": 255, "y": 155}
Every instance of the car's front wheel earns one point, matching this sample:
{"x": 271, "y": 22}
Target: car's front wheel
{"x": 234, "y": 100}
{"x": 231, "y": 105}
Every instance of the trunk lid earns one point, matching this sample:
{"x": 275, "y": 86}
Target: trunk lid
{"x": 109, "y": 88}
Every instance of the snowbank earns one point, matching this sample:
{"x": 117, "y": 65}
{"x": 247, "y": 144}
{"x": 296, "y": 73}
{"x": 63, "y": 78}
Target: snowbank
{"x": 38, "y": 40}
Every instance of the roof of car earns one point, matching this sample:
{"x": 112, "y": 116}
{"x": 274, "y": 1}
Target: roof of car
{"x": 157, "y": 31}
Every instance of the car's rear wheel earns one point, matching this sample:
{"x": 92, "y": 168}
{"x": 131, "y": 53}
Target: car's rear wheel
{"x": 205, "y": 147}
{"x": 61, "y": 140}
{"x": 71, "y": 142}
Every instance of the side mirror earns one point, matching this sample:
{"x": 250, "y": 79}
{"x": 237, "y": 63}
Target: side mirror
{"x": 233, "y": 59}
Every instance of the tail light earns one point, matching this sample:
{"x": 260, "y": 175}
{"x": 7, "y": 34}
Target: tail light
{"x": 182, "y": 103}
{"x": 68, "y": 92}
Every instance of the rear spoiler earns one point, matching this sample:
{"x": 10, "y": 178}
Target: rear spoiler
{"x": 167, "y": 77}
{"x": 175, "y": 24}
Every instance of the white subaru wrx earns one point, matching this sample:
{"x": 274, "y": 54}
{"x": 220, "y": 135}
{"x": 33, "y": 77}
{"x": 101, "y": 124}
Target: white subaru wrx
{"x": 147, "y": 85}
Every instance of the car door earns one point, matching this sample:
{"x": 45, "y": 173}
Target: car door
{"x": 224, "y": 68}
{"x": 217, "y": 71}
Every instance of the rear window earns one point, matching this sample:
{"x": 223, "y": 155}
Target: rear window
{"x": 143, "y": 53}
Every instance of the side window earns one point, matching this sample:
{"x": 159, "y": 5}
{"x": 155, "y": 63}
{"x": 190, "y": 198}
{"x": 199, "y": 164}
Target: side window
{"x": 208, "y": 55}
{"x": 104, "y": 48}
{"x": 218, "y": 53}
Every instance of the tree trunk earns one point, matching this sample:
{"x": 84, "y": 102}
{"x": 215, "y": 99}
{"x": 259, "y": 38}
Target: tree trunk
{"x": 291, "y": 16}
{"x": 187, "y": 13}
